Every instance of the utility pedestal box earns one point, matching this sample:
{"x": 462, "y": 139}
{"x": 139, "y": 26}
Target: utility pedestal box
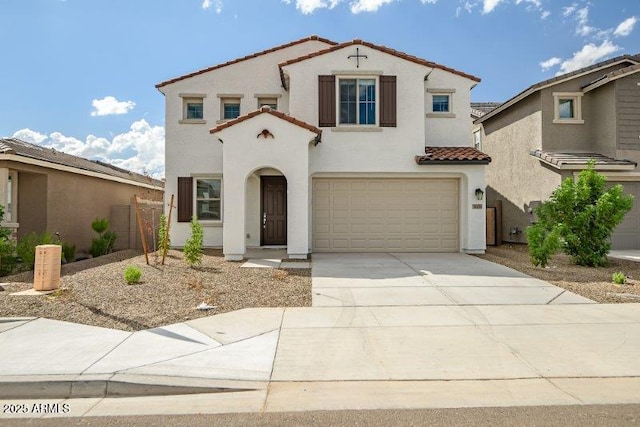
{"x": 46, "y": 272}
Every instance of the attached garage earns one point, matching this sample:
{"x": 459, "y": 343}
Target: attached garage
{"x": 385, "y": 215}
{"x": 627, "y": 234}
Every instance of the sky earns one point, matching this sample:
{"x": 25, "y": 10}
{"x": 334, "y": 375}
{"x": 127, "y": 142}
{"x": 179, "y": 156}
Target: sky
{"x": 79, "y": 75}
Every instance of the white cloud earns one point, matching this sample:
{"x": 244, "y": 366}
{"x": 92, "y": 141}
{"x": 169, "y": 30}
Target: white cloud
{"x": 358, "y": 6}
{"x": 549, "y": 63}
{"x": 545, "y": 14}
{"x": 140, "y": 149}
{"x": 309, "y": 6}
{"x": 110, "y": 105}
{"x": 489, "y": 5}
{"x": 568, "y": 11}
{"x": 30, "y": 136}
{"x": 217, "y": 4}
{"x": 582, "y": 16}
{"x": 428, "y": 1}
{"x": 588, "y": 55}
{"x": 626, "y": 27}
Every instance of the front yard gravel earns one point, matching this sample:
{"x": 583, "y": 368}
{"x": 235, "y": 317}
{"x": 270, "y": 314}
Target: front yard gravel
{"x": 93, "y": 292}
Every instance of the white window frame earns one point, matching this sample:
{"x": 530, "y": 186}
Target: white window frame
{"x": 441, "y": 114}
{"x": 576, "y": 97}
{"x": 196, "y": 199}
{"x": 477, "y": 139}
{"x": 229, "y": 98}
{"x": 267, "y": 99}
{"x": 377, "y": 113}
{"x": 192, "y": 98}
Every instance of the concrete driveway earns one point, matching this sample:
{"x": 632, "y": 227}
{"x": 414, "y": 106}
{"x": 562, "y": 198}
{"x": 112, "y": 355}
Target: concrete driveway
{"x": 406, "y": 279}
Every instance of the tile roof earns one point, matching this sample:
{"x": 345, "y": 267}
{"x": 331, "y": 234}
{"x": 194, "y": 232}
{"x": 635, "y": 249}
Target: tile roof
{"x": 244, "y": 58}
{"x": 267, "y": 110}
{"x": 479, "y": 109}
{"x": 24, "y": 149}
{"x": 613, "y": 75}
{"x": 384, "y": 49}
{"x": 633, "y": 59}
{"x": 575, "y": 160}
{"x": 452, "y": 155}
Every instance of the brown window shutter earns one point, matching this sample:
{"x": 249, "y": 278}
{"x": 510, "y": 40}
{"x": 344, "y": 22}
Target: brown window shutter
{"x": 388, "y": 101}
{"x": 185, "y": 198}
{"x": 326, "y": 101}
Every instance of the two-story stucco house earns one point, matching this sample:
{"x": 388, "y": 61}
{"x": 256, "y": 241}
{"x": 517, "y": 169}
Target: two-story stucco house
{"x": 320, "y": 146}
{"x": 550, "y": 131}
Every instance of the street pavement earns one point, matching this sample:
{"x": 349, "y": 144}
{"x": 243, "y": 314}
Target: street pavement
{"x": 386, "y": 331}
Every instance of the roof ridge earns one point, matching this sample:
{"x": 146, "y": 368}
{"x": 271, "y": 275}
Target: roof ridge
{"x": 382, "y": 48}
{"x": 269, "y": 110}
{"x": 312, "y": 37}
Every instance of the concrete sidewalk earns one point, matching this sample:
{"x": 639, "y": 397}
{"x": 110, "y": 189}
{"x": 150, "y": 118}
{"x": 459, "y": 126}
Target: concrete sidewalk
{"x": 388, "y": 354}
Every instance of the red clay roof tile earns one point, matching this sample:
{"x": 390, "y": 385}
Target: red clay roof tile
{"x": 266, "y": 110}
{"x": 435, "y": 155}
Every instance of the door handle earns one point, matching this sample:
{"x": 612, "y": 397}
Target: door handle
{"x": 264, "y": 220}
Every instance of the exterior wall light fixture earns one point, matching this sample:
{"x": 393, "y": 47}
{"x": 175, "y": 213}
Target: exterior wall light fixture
{"x": 479, "y": 194}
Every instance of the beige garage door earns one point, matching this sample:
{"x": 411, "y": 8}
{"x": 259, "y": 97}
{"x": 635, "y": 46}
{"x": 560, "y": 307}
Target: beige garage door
{"x": 627, "y": 234}
{"x": 380, "y": 215}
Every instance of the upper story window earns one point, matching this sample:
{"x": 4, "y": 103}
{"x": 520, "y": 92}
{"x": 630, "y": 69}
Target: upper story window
{"x": 440, "y": 103}
{"x": 364, "y": 103}
{"x": 229, "y": 106}
{"x": 567, "y": 107}
{"x": 357, "y": 101}
{"x": 192, "y": 107}
{"x": 268, "y": 102}
{"x": 477, "y": 140}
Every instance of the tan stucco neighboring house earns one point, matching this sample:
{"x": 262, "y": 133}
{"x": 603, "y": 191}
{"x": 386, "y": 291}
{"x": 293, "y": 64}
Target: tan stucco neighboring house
{"x": 319, "y": 146}
{"x": 549, "y": 132}
{"x": 43, "y": 189}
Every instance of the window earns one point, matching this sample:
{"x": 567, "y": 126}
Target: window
{"x": 268, "y": 102}
{"x": 440, "y": 103}
{"x": 192, "y": 107}
{"x": 208, "y": 194}
{"x": 357, "y": 101}
{"x": 477, "y": 140}
{"x": 567, "y": 108}
{"x": 230, "y": 108}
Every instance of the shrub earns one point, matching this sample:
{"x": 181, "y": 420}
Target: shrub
{"x": 8, "y": 259}
{"x": 162, "y": 232}
{"x": 132, "y": 274}
{"x": 619, "y": 278}
{"x": 69, "y": 252}
{"x": 26, "y": 247}
{"x": 103, "y": 244}
{"x": 578, "y": 219}
{"x": 194, "y": 245}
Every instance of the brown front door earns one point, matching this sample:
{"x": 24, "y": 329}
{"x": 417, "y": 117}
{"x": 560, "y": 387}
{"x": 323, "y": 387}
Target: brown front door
{"x": 274, "y": 210}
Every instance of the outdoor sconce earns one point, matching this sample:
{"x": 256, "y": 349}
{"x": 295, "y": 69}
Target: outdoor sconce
{"x": 479, "y": 194}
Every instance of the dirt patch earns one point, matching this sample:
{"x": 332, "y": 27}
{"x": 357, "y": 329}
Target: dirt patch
{"x": 94, "y": 292}
{"x": 593, "y": 283}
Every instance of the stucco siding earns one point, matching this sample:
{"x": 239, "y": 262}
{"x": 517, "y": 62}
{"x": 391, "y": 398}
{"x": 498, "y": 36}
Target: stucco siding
{"x": 628, "y": 108}
{"x": 32, "y": 203}
{"x": 602, "y": 123}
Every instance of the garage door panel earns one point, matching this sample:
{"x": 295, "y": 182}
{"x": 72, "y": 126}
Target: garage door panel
{"x": 385, "y": 215}
{"x": 627, "y": 234}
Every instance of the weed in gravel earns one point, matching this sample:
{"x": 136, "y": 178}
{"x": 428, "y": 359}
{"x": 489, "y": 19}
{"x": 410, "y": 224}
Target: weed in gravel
{"x": 132, "y": 274}
{"x": 280, "y": 275}
{"x": 618, "y": 278}
{"x": 61, "y": 293}
{"x": 195, "y": 283}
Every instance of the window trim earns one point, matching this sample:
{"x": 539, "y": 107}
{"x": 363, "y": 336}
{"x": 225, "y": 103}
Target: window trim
{"x": 207, "y": 222}
{"x": 260, "y": 102}
{"x": 577, "y": 106}
{"x": 477, "y": 144}
{"x": 357, "y": 77}
{"x": 441, "y": 114}
{"x": 192, "y": 98}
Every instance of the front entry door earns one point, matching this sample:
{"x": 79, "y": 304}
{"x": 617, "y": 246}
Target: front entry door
{"x": 274, "y": 210}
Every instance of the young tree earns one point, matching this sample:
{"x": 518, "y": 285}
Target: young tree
{"x": 193, "y": 247}
{"x": 578, "y": 219}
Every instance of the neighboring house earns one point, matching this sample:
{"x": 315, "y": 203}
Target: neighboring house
{"x": 46, "y": 190}
{"x": 552, "y": 129}
{"x": 325, "y": 147}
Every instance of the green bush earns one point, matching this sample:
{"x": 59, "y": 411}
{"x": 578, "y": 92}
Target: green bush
{"x": 132, "y": 274}
{"x": 193, "y": 247}
{"x": 619, "y": 278}
{"x": 26, "y": 247}
{"x": 578, "y": 219}
{"x": 104, "y": 243}
{"x": 68, "y": 252}
{"x": 162, "y": 232}
{"x": 8, "y": 258}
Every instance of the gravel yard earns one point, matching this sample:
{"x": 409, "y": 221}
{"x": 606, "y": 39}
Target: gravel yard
{"x": 593, "y": 283}
{"x": 93, "y": 292}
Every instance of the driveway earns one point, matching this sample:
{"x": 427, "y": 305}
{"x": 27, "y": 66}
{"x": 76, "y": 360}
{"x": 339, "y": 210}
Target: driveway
{"x": 416, "y": 279}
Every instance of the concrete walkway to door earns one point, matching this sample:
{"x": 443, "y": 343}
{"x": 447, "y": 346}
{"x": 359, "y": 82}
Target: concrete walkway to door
{"x": 407, "y": 279}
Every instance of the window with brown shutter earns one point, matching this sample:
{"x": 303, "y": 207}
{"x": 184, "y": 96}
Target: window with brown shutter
{"x": 185, "y": 198}
{"x": 326, "y": 101}
{"x": 388, "y": 103}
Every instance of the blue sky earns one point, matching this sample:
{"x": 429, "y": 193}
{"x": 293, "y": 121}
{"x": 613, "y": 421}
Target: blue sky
{"x": 79, "y": 75}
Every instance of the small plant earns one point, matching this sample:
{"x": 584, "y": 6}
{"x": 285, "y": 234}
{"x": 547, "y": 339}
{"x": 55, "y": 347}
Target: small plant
{"x": 26, "y": 247}
{"x": 103, "y": 244}
{"x": 619, "y": 278}
{"x": 194, "y": 245}
{"x": 8, "y": 259}
{"x": 162, "y": 232}
{"x": 132, "y": 274}
{"x": 69, "y": 252}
